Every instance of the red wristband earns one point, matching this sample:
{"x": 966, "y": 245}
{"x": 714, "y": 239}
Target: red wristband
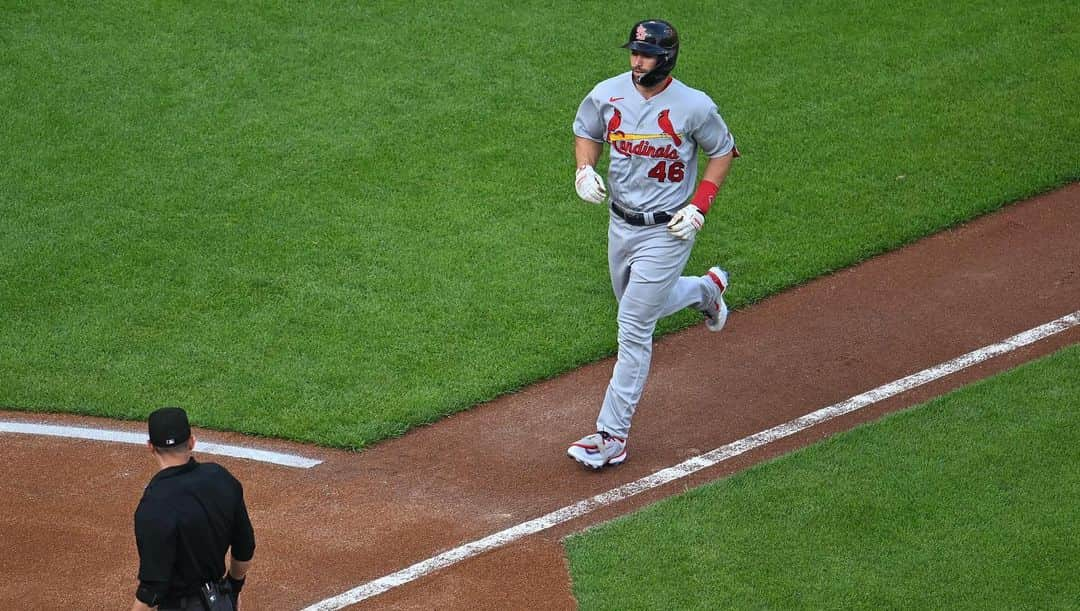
{"x": 704, "y": 196}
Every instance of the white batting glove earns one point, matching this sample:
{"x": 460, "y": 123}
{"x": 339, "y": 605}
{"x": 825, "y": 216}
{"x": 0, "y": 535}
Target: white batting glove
{"x": 686, "y": 222}
{"x": 589, "y": 185}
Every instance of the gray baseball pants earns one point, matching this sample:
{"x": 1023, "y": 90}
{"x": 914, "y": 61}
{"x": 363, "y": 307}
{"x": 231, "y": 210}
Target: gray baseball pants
{"x": 646, "y": 264}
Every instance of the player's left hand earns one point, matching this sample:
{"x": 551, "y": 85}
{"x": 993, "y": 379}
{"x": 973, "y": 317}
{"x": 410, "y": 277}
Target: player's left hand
{"x": 686, "y": 222}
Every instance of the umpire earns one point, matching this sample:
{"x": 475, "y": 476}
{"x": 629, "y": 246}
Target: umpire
{"x": 190, "y": 514}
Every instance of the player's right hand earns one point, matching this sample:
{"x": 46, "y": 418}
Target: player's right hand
{"x": 589, "y": 185}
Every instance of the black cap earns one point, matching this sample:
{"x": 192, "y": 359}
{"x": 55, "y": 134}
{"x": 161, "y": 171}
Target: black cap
{"x": 169, "y": 427}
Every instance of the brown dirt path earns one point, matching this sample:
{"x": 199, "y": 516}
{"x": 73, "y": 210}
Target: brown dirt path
{"x": 65, "y": 528}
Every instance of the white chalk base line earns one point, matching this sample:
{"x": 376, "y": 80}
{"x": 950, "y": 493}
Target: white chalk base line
{"x": 201, "y": 447}
{"x": 683, "y": 469}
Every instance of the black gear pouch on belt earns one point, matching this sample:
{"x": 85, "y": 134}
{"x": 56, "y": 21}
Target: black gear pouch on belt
{"x": 215, "y": 596}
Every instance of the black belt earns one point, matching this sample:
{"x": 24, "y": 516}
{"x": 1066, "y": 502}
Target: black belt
{"x": 192, "y": 602}
{"x": 640, "y": 218}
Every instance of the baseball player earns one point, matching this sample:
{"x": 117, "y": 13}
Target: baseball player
{"x": 654, "y": 127}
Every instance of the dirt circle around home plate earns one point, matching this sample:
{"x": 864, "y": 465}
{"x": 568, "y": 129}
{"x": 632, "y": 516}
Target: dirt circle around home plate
{"x": 357, "y": 517}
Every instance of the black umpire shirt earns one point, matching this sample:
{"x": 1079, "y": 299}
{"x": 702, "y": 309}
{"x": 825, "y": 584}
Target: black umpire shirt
{"x": 189, "y": 516}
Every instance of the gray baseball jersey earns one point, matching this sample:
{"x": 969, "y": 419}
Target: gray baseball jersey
{"x": 654, "y": 142}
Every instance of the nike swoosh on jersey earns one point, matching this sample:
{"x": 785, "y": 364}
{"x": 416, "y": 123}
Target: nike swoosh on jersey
{"x": 614, "y": 99}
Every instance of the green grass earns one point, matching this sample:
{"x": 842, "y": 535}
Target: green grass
{"x": 971, "y": 501}
{"x": 334, "y": 221}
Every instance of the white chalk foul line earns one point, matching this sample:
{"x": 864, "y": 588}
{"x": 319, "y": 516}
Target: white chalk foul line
{"x": 708, "y": 459}
{"x": 277, "y": 458}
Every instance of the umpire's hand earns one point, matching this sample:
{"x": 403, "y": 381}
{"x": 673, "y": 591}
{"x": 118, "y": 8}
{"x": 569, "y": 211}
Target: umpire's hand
{"x": 234, "y": 590}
